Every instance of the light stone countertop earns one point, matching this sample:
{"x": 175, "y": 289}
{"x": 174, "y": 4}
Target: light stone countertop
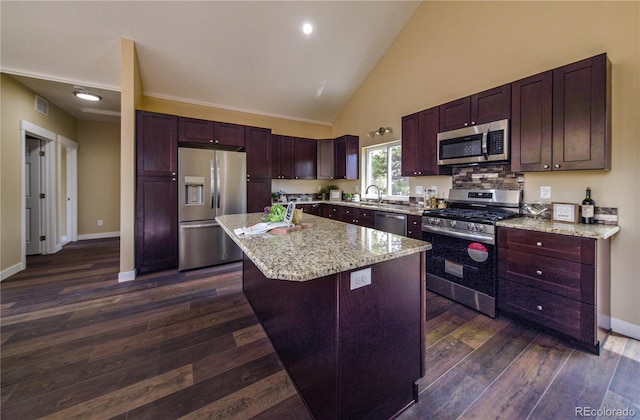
{"x": 327, "y": 247}
{"x": 596, "y": 231}
{"x": 393, "y": 208}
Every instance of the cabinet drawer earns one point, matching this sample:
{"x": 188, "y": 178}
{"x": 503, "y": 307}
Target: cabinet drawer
{"x": 564, "y": 247}
{"x": 567, "y": 316}
{"x": 414, "y": 226}
{"x": 565, "y": 278}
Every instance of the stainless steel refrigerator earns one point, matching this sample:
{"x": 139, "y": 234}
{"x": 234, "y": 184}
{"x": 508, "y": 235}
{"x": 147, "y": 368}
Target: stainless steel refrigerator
{"x": 211, "y": 183}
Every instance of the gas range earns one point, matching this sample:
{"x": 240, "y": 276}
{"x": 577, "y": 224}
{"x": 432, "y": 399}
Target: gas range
{"x": 473, "y": 213}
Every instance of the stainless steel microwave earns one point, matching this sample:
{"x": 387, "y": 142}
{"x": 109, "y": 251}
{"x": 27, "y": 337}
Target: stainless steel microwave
{"x": 475, "y": 144}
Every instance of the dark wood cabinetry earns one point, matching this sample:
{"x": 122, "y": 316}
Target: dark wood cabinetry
{"x": 414, "y": 226}
{"x": 156, "y": 230}
{"x": 326, "y": 159}
{"x": 555, "y": 281}
{"x": 356, "y": 216}
{"x": 561, "y": 118}
{"x": 191, "y": 130}
{"x": 258, "y": 148}
{"x": 282, "y": 156}
{"x": 314, "y": 208}
{"x": 419, "y": 144}
{"x": 305, "y": 158}
{"x": 581, "y": 115}
{"x": 490, "y": 105}
{"x": 346, "y": 157}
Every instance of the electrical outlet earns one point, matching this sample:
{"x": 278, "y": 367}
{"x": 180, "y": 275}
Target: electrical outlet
{"x": 545, "y": 192}
{"x": 100, "y": 222}
{"x": 419, "y": 190}
{"x": 360, "y": 278}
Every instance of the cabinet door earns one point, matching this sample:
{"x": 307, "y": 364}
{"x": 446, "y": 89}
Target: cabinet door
{"x": 228, "y": 134}
{"x": 347, "y": 162}
{"x": 581, "y": 115}
{"x": 305, "y": 158}
{"x": 258, "y": 148}
{"x": 282, "y": 157}
{"x": 156, "y": 144}
{"x": 531, "y": 129}
{"x": 326, "y": 159}
{"x": 411, "y": 145}
{"x": 429, "y": 121}
{"x": 258, "y": 194}
{"x": 414, "y": 226}
{"x": 192, "y": 130}
{"x": 156, "y": 224}
{"x": 491, "y": 105}
{"x": 455, "y": 114}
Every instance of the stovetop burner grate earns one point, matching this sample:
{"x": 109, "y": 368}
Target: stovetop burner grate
{"x": 471, "y": 215}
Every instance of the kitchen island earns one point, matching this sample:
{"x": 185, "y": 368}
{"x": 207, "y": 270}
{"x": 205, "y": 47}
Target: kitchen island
{"x": 344, "y": 307}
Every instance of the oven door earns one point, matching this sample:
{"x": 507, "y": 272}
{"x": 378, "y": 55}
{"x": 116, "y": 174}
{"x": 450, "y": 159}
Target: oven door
{"x": 462, "y": 261}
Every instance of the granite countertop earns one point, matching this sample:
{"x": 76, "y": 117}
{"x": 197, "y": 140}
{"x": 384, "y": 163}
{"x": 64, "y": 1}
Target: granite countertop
{"x": 596, "y": 231}
{"x": 327, "y": 247}
{"x": 393, "y": 208}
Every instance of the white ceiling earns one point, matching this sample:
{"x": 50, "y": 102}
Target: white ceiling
{"x": 245, "y": 55}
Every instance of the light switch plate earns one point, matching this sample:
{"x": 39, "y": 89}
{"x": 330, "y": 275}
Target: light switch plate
{"x": 419, "y": 189}
{"x": 360, "y": 278}
{"x": 545, "y": 192}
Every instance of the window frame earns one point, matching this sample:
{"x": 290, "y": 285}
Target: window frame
{"x": 366, "y": 168}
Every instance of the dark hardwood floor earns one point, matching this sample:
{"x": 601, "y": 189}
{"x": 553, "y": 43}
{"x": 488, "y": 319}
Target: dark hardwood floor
{"x": 75, "y": 343}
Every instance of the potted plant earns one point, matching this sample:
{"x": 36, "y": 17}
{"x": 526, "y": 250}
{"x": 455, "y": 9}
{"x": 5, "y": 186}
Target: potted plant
{"x": 325, "y": 191}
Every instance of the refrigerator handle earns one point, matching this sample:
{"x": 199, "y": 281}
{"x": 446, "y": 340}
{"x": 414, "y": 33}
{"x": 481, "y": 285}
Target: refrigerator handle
{"x": 217, "y": 183}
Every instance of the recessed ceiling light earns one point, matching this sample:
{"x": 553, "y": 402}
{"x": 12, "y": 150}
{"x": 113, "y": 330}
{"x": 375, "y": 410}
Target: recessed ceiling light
{"x": 307, "y": 28}
{"x": 87, "y": 96}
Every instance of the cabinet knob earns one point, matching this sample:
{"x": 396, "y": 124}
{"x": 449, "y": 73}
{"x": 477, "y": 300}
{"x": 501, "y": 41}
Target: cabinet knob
{"x": 173, "y": 174}
{"x": 539, "y": 307}
{"x": 466, "y": 124}
{"x": 539, "y": 272}
{"x": 538, "y": 243}
{"x": 557, "y": 165}
{"x": 473, "y": 123}
{"x": 545, "y": 166}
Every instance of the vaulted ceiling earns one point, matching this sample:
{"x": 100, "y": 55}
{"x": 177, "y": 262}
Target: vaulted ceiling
{"x": 250, "y": 56}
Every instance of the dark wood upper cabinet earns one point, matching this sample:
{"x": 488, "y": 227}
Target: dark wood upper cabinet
{"x": 156, "y": 144}
{"x": 531, "y": 130}
{"x": 419, "y": 144}
{"x": 282, "y": 156}
{"x": 305, "y": 158}
{"x": 258, "y": 148}
{"x": 490, "y": 105}
{"x": 561, "y": 118}
{"x": 346, "y": 157}
{"x": 326, "y": 159}
{"x": 192, "y": 130}
{"x": 582, "y": 115}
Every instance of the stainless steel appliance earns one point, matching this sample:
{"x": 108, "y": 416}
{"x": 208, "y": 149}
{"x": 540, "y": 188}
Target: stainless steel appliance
{"x": 474, "y": 144}
{"x": 211, "y": 183}
{"x": 390, "y": 222}
{"x": 462, "y": 263}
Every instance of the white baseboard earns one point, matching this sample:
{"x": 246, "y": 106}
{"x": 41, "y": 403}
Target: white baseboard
{"x": 4, "y": 274}
{"x": 126, "y": 276}
{"x": 101, "y": 235}
{"x": 625, "y": 328}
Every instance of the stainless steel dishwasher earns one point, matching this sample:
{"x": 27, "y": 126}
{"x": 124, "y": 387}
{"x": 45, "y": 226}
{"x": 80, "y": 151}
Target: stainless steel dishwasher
{"x": 391, "y": 222}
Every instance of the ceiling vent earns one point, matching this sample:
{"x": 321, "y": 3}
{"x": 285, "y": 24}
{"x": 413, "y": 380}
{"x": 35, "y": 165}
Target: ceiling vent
{"x": 42, "y": 105}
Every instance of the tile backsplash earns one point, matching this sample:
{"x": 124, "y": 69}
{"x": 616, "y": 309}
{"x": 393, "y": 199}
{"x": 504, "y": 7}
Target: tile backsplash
{"x": 494, "y": 176}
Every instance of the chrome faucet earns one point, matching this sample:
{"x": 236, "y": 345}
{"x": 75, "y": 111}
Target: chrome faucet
{"x": 379, "y": 193}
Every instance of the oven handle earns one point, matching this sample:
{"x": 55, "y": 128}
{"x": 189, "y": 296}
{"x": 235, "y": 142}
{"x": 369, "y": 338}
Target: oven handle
{"x": 490, "y": 240}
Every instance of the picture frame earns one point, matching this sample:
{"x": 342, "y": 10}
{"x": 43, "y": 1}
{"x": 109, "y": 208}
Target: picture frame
{"x": 565, "y": 212}
{"x": 335, "y": 195}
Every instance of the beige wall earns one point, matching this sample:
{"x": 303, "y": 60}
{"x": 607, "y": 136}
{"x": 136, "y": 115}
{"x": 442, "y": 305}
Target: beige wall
{"x": 452, "y": 49}
{"x": 18, "y": 103}
{"x": 277, "y": 125}
{"x": 98, "y": 178}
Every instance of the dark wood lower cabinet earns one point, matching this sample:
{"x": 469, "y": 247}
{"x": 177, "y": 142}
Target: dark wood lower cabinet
{"x": 156, "y": 224}
{"x": 352, "y": 354}
{"x": 258, "y": 194}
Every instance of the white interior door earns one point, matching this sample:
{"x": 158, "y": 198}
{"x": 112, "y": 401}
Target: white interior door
{"x": 33, "y": 189}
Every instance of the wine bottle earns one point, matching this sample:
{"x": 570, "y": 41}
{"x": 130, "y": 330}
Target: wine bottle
{"x": 587, "y": 209}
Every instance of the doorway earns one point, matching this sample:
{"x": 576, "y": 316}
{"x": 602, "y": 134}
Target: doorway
{"x": 33, "y": 163}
